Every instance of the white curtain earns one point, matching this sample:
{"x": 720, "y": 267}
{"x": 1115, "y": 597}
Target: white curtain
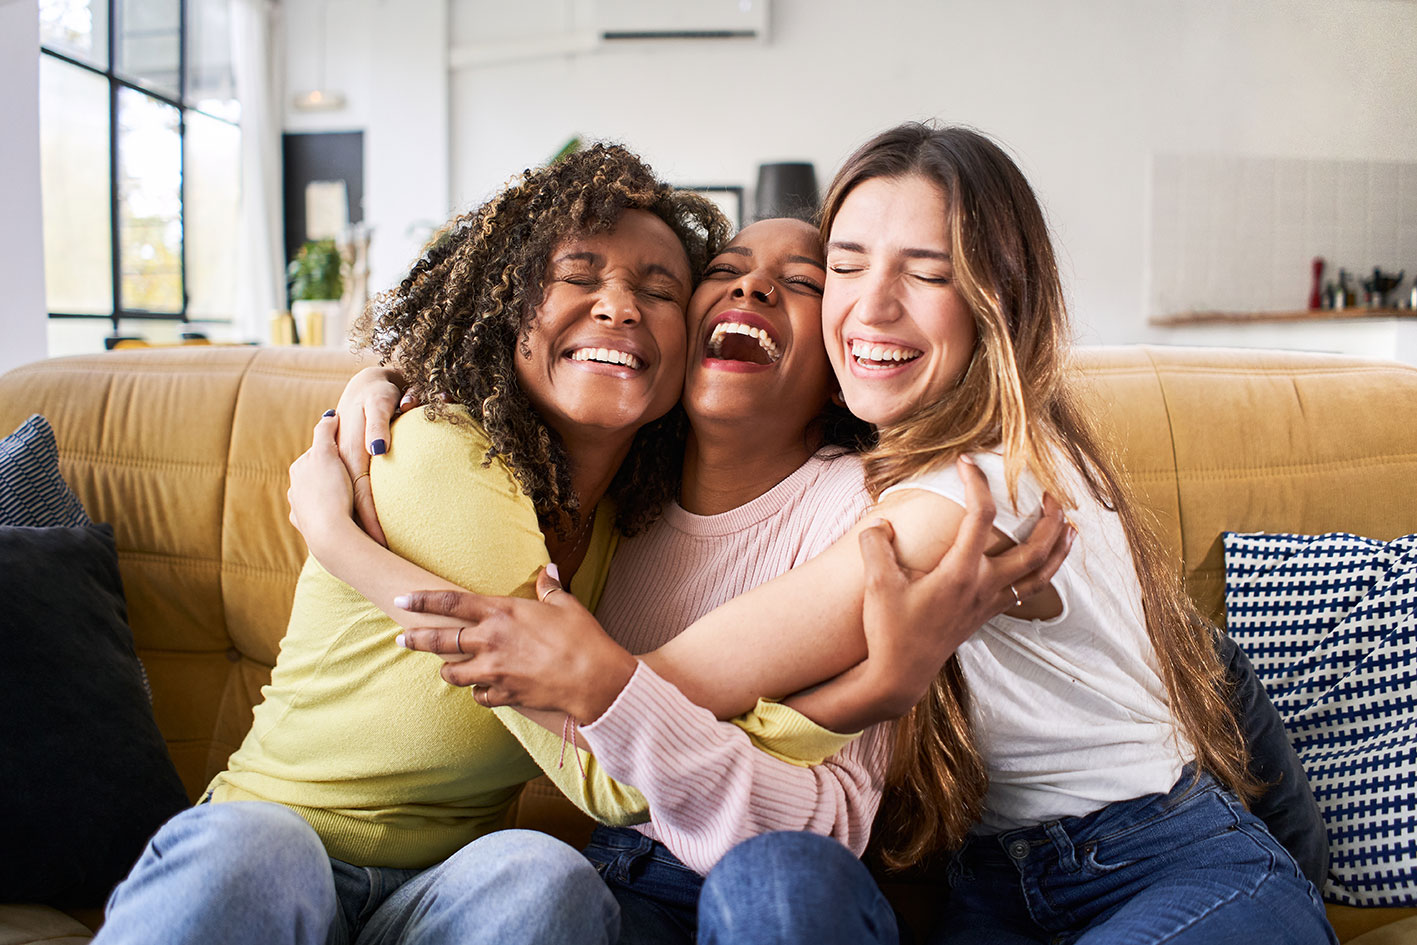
{"x": 258, "y": 63}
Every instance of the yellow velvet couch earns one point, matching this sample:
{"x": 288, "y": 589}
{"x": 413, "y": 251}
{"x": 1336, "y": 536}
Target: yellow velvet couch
{"x": 185, "y": 452}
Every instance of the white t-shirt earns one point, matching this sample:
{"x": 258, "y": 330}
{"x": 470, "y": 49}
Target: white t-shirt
{"x": 1071, "y": 713}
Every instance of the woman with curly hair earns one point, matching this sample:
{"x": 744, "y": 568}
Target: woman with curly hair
{"x": 546, "y": 332}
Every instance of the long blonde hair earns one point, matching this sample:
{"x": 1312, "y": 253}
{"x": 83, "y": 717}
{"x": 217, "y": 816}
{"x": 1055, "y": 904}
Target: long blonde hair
{"x": 1016, "y": 395}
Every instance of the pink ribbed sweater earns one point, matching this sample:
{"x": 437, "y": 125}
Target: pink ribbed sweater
{"x": 708, "y": 788}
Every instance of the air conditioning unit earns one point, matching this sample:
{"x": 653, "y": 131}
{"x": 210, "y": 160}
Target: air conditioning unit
{"x": 615, "y": 24}
{"x": 622, "y": 21}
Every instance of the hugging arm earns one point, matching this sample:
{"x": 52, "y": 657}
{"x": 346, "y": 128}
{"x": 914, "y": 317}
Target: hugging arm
{"x": 813, "y": 615}
{"x": 815, "y": 611}
{"x": 433, "y": 493}
{"x": 902, "y": 661}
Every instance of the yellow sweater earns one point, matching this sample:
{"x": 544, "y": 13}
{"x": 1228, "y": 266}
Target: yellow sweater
{"x": 391, "y": 766}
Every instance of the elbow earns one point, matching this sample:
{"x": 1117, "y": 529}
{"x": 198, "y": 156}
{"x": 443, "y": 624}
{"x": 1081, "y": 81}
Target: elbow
{"x": 898, "y": 700}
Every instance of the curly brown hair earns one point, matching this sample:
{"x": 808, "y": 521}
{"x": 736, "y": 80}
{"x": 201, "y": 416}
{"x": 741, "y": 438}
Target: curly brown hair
{"x": 454, "y": 325}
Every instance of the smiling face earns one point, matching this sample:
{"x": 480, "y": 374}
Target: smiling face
{"x": 898, "y": 332}
{"x": 607, "y": 340}
{"x": 755, "y": 328}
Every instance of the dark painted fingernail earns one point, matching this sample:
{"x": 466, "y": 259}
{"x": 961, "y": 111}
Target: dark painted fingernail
{"x": 328, "y": 413}
{"x": 378, "y": 447}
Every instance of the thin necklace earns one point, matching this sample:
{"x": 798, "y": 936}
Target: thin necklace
{"x": 586, "y": 528}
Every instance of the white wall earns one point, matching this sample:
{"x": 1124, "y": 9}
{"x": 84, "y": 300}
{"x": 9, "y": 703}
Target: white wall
{"x": 1084, "y": 93}
{"x": 390, "y": 61}
{"x": 22, "y": 313}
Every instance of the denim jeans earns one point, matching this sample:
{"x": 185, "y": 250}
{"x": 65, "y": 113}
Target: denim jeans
{"x": 774, "y": 889}
{"x": 244, "y": 872}
{"x": 1189, "y": 866}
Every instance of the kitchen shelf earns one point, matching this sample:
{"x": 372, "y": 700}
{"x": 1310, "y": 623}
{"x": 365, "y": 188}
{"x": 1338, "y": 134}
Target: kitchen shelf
{"x": 1306, "y": 315}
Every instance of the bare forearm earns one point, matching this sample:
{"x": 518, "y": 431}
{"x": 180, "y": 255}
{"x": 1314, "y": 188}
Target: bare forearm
{"x": 854, "y": 700}
{"x": 775, "y": 640}
{"x": 343, "y": 549}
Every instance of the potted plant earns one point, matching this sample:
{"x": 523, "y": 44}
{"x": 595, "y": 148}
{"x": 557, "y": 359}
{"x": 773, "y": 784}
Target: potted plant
{"x": 316, "y": 276}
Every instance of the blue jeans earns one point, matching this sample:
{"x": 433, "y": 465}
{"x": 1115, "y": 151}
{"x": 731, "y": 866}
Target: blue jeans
{"x": 255, "y": 872}
{"x": 1190, "y": 866}
{"x": 771, "y": 890}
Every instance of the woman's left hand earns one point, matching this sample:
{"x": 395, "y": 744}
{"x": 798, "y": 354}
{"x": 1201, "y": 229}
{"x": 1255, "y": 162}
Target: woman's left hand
{"x": 535, "y": 654}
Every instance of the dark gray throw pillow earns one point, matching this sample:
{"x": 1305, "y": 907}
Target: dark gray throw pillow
{"x": 86, "y": 778}
{"x": 31, "y": 490}
{"x": 1288, "y": 808}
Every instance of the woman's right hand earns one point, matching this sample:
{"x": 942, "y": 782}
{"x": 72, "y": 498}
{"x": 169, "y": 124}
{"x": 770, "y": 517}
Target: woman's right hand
{"x": 964, "y": 591}
{"x": 549, "y": 654}
{"x": 319, "y": 493}
{"x": 366, "y": 410}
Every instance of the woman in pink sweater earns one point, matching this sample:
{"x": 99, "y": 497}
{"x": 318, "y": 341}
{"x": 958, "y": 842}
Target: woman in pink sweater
{"x": 769, "y": 482}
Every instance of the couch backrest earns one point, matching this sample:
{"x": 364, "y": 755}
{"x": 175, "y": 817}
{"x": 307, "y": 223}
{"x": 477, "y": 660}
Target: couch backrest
{"x": 185, "y": 451}
{"x": 1221, "y": 440}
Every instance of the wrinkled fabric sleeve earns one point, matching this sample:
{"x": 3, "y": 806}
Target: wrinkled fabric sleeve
{"x": 709, "y": 787}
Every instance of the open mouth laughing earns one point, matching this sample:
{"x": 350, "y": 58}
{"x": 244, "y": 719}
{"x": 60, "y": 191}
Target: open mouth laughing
{"x": 745, "y": 338}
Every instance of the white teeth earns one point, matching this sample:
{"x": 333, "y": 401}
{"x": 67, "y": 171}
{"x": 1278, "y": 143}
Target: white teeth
{"x": 763, "y": 339}
{"x": 865, "y": 352}
{"x": 607, "y": 356}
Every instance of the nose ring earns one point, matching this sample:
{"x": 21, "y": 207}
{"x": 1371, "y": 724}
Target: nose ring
{"x": 769, "y": 291}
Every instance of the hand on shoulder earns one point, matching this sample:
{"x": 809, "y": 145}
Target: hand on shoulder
{"x": 936, "y": 572}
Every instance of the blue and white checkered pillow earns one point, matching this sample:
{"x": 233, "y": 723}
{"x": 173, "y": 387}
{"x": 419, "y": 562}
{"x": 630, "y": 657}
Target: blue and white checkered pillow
{"x": 1330, "y": 623}
{"x": 32, "y": 493}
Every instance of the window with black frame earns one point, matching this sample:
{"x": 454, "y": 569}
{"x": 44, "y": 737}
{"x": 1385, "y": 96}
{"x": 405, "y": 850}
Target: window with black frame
{"x": 140, "y": 150}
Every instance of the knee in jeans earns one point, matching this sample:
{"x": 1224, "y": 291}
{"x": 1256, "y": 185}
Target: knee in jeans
{"x": 244, "y": 838}
{"x": 789, "y": 887}
{"x": 528, "y": 857}
{"x": 799, "y": 862}
{"x": 786, "y": 848}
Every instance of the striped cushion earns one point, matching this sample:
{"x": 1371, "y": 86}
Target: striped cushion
{"x": 32, "y": 493}
{"x": 1329, "y": 623}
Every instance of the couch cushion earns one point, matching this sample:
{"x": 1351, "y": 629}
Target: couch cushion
{"x": 1330, "y": 623}
{"x": 86, "y": 778}
{"x": 31, "y": 490}
{"x": 40, "y": 925}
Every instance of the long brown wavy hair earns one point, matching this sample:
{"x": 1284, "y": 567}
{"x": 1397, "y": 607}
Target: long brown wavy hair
{"x": 454, "y": 326}
{"x": 1015, "y": 395}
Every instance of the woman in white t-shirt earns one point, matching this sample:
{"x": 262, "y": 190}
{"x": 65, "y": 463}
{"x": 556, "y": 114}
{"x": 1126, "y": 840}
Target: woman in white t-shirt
{"x": 1078, "y": 757}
